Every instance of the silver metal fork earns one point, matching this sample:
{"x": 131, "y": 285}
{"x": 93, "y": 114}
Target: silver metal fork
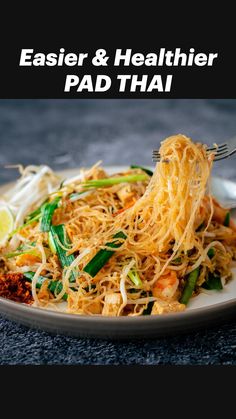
{"x": 221, "y": 151}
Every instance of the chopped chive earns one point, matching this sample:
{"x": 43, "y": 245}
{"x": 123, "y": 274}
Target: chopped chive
{"x": 92, "y": 286}
{"x": 61, "y": 184}
{"x": 51, "y": 243}
{"x": 144, "y": 169}
{"x": 58, "y": 235}
{"x": 103, "y": 255}
{"x": 133, "y": 290}
{"x": 135, "y": 278}
{"x": 29, "y": 275}
{"x": 213, "y": 282}
{"x": 47, "y": 214}
{"x": 100, "y": 183}
{"x": 36, "y": 212}
{"x": 190, "y": 286}
{"x": 211, "y": 253}
{"x": 76, "y": 195}
{"x": 32, "y": 220}
{"x": 177, "y": 261}
{"x": 227, "y": 220}
{"x": 24, "y": 252}
{"x": 53, "y": 286}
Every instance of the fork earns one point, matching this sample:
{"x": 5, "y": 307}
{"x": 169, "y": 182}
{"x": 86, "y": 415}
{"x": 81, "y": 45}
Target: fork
{"x": 222, "y": 151}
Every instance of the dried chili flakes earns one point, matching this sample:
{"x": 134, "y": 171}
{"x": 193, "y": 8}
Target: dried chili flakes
{"x": 14, "y": 286}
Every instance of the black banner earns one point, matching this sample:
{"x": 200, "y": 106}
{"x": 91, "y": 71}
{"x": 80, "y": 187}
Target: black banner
{"x": 163, "y": 70}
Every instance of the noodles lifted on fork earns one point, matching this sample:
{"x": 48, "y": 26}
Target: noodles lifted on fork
{"x": 135, "y": 242}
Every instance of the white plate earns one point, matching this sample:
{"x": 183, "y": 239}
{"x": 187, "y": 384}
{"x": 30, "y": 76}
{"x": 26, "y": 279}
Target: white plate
{"x": 203, "y": 310}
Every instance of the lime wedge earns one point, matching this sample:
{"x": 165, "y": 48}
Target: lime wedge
{"x": 6, "y": 224}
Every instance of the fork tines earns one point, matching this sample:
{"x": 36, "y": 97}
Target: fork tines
{"x": 221, "y": 152}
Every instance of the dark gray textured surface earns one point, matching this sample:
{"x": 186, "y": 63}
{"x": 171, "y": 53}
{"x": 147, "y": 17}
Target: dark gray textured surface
{"x": 70, "y": 133}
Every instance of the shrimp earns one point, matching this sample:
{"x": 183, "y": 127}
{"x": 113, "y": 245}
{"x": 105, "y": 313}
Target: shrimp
{"x": 219, "y": 213}
{"x": 166, "y": 286}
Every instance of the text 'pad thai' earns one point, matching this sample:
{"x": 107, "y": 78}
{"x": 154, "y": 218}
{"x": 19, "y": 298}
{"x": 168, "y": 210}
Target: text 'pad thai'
{"x": 127, "y": 244}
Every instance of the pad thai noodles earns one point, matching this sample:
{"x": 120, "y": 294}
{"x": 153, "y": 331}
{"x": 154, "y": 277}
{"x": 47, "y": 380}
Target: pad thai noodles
{"x": 127, "y": 244}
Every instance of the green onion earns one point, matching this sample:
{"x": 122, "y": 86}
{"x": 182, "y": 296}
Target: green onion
{"x": 148, "y": 171}
{"x": 30, "y": 218}
{"x": 51, "y": 243}
{"x": 100, "y": 183}
{"x": 227, "y": 220}
{"x": 61, "y": 184}
{"x": 211, "y": 253}
{"x": 58, "y": 235}
{"x": 22, "y": 249}
{"x": 92, "y": 287}
{"x": 36, "y": 212}
{"x": 134, "y": 276}
{"x": 75, "y": 196}
{"x": 103, "y": 255}
{"x": 53, "y": 286}
{"x": 190, "y": 286}
{"x": 47, "y": 214}
{"x": 213, "y": 282}
{"x": 133, "y": 290}
{"x": 177, "y": 261}
{"x": 24, "y": 252}
{"x": 36, "y": 218}
{"x": 29, "y": 275}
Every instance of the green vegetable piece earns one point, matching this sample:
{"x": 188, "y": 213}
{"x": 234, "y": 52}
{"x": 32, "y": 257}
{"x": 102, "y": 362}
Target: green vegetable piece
{"x": 100, "y": 183}
{"x": 92, "y": 286}
{"x": 135, "y": 278}
{"x": 190, "y": 286}
{"x": 36, "y": 212}
{"x": 177, "y": 261}
{"x": 56, "y": 287}
{"x": 22, "y": 250}
{"x": 213, "y": 282}
{"x": 75, "y": 196}
{"x": 211, "y": 253}
{"x": 25, "y": 252}
{"x": 30, "y": 218}
{"x": 29, "y": 275}
{"x": 36, "y": 218}
{"x": 227, "y": 220}
{"x": 51, "y": 243}
{"x": 47, "y": 214}
{"x": 58, "y": 235}
{"x": 103, "y": 255}
{"x": 133, "y": 290}
{"x": 52, "y": 286}
{"x": 148, "y": 171}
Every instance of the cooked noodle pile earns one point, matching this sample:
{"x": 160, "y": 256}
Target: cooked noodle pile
{"x": 159, "y": 230}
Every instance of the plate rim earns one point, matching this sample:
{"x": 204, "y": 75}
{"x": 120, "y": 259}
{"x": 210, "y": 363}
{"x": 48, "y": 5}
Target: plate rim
{"x": 117, "y": 328}
{"x": 54, "y": 313}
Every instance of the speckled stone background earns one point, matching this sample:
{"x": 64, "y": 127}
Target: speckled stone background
{"x": 70, "y": 133}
